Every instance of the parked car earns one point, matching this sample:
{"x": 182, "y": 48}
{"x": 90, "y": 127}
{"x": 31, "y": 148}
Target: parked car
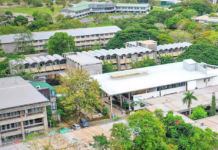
{"x": 75, "y": 127}
{"x": 84, "y": 123}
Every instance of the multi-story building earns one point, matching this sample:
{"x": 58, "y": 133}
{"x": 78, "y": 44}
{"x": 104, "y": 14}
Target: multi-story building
{"x": 22, "y": 110}
{"x": 86, "y": 8}
{"x": 123, "y": 57}
{"x": 49, "y": 92}
{"x": 83, "y": 37}
{"x": 92, "y": 61}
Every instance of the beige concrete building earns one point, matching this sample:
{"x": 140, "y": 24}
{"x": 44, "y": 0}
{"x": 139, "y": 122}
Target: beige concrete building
{"x": 22, "y": 110}
{"x": 205, "y": 19}
{"x": 83, "y": 37}
{"x": 137, "y": 50}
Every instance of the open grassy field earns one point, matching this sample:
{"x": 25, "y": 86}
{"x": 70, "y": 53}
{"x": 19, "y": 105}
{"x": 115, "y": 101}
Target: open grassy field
{"x": 26, "y": 10}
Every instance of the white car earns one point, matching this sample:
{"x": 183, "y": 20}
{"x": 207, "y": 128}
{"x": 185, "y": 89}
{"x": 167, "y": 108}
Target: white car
{"x": 75, "y": 126}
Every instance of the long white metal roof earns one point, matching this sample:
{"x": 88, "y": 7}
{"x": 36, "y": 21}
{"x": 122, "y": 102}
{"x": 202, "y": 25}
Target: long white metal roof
{"x": 72, "y": 32}
{"x": 173, "y": 46}
{"x": 120, "y": 52}
{"x": 32, "y": 60}
{"x": 154, "y": 76}
{"x": 84, "y": 59}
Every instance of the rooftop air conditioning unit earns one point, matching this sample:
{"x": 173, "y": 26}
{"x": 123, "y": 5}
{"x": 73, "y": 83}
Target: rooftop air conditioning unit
{"x": 202, "y": 124}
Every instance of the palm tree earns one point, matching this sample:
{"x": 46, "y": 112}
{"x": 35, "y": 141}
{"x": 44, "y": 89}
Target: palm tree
{"x": 188, "y": 100}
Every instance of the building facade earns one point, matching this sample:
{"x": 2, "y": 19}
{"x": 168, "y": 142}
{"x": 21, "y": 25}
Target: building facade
{"x": 205, "y": 19}
{"x": 49, "y": 92}
{"x": 84, "y": 37}
{"x": 123, "y": 57}
{"x": 22, "y": 110}
{"x": 86, "y": 8}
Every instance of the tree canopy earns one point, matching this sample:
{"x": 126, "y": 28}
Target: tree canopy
{"x": 60, "y": 43}
{"x": 80, "y": 92}
{"x": 108, "y": 67}
{"x": 206, "y": 53}
{"x": 145, "y": 62}
{"x": 132, "y": 34}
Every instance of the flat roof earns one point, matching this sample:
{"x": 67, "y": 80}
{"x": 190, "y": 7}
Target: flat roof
{"x": 84, "y": 59}
{"x": 15, "y": 92}
{"x": 174, "y": 101}
{"x": 207, "y": 18}
{"x": 155, "y": 76}
{"x": 72, "y": 32}
{"x": 43, "y": 85}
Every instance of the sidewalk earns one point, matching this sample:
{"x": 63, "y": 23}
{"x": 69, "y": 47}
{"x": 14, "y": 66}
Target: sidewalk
{"x": 100, "y": 122}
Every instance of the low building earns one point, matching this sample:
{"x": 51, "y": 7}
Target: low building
{"x": 83, "y": 37}
{"x": 156, "y": 81}
{"x": 123, "y": 57}
{"x": 49, "y": 92}
{"x": 22, "y": 110}
{"x": 86, "y": 8}
{"x": 91, "y": 61}
{"x": 90, "y": 64}
{"x": 206, "y": 19}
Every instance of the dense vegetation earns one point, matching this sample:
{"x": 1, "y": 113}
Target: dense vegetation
{"x": 152, "y": 131}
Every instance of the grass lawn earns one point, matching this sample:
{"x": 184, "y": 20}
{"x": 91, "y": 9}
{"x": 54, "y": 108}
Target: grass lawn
{"x": 101, "y": 25}
{"x": 26, "y": 10}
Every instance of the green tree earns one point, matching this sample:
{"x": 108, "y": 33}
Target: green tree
{"x": 20, "y": 20}
{"x": 171, "y": 22}
{"x": 166, "y": 59}
{"x": 61, "y": 2}
{"x": 213, "y": 105}
{"x": 80, "y": 91}
{"x": 159, "y": 114}
{"x": 145, "y": 62}
{"x": 108, "y": 67}
{"x": 23, "y": 42}
{"x": 189, "y": 96}
{"x": 52, "y": 9}
{"x": 132, "y": 34}
{"x": 9, "y": 14}
{"x": 186, "y": 136}
{"x": 59, "y": 17}
{"x": 100, "y": 142}
{"x": 59, "y": 112}
{"x": 198, "y": 113}
{"x": 181, "y": 36}
{"x": 120, "y": 137}
{"x": 42, "y": 15}
{"x": 96, "y": 46}
{"x": 165, "y": 39}
{"x": 149, "y": 131}
{"x": 98, "y": 18}
{"x": 60, "y": 43}
{"x": 206, "y": 53}
{"x": 34, "y": 26}
{"x": 105, "y": 111}
{"x": 154, "y": 2}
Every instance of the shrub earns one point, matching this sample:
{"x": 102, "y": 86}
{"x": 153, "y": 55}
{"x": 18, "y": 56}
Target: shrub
{"x": 198, "y": 113}
{"x": 116, "y": 118}
{"x": 105, "y": 111}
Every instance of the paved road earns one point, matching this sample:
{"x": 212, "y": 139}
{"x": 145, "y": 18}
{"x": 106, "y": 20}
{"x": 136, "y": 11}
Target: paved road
{"x": 86, "y": 20}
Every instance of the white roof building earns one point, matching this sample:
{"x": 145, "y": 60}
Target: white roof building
{"x": 152, "y": 78}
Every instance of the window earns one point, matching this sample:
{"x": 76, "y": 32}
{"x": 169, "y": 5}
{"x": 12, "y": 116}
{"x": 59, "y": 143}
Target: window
{"x": 82, "y": 36}
{"x": 101, "y": 34}
{"x": 97, "y": 35}
{"x": 53, "y": 105}
{"x": 39, "y": 120}
{"x": 113, "y": 56}
{"x": 129, "y": 56}
{"x": 8, "y": 126}
{"x": 87, "y": 36}
{"x": 111, "y": 33}
{"x": 3, "y": 127}
{"x": 40, "y": 40}
{"x": 108, "y": 57}
{"x": 106, "y": 34}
